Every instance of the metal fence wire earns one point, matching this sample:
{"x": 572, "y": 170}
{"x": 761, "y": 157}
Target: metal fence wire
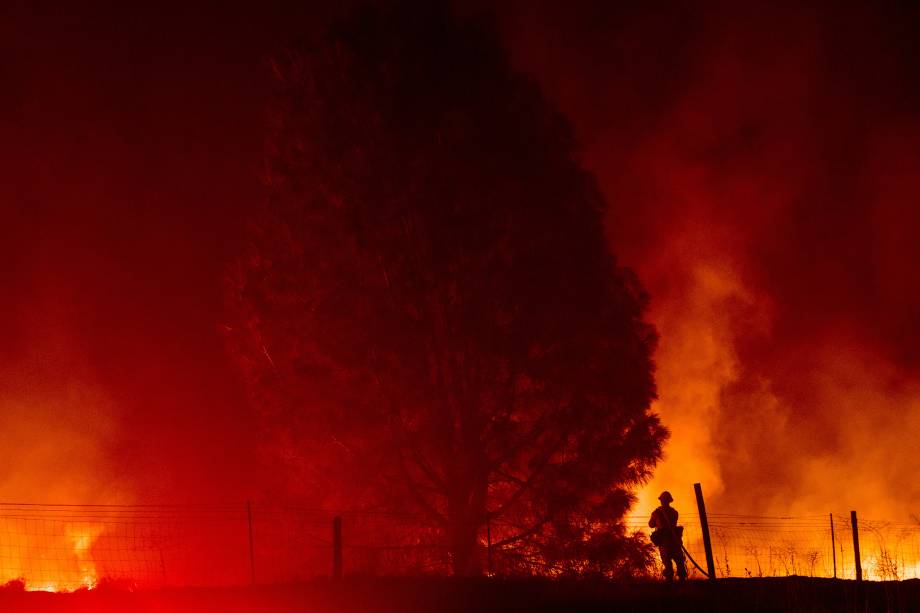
{"x": 69, "y": 547}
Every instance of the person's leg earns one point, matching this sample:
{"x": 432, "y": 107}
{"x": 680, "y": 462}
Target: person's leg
{"x": 681, "y": 563}
{"x": 666, "y": 562}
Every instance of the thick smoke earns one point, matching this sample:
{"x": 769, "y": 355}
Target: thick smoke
{"x": 119, "y": 201}
{"x": 56, "y": 427}
{"x": 762, "y": 169}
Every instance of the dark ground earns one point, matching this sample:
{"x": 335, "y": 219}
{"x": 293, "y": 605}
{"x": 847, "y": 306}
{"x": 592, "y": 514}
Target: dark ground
{"x": 443, "y": 596}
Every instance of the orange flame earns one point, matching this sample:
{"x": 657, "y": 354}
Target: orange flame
{"x": 51, "y": 562}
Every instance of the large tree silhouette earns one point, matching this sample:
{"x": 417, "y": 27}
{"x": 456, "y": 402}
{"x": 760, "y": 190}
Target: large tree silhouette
{"x": 429, "y": 316}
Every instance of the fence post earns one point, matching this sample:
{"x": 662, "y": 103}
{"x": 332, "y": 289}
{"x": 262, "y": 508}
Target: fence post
{"x": 704, "y": 525}
{"x": 856, "y": 557}
{"x": 489, "y": 542}
{"x": 833, "y": 546}
{"x": 337, "y": 547}
{"x": 252, "y": 551}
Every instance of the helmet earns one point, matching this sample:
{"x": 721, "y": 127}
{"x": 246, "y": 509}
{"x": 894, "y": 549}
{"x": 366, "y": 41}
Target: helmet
{"x": 666, "y": 497}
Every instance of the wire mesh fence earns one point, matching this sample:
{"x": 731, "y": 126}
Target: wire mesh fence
{"x": 761, "y": 546}
{"x": 68, "y": 547}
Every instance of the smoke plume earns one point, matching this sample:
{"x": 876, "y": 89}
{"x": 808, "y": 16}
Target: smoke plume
{"x": 762, "y": 170}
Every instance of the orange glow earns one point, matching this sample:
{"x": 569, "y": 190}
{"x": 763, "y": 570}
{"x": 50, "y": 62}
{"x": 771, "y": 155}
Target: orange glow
{"x": 752, "y": 450}
{"x": 874, "y": 412}
{"x": 695, "y": 362}
{"x": 51, "y": 562}
{"x": 82, "y": 541}
{"x": 758, "y": 452}
{"x": 764, "y": 189}
{"x": 786, "y": 367}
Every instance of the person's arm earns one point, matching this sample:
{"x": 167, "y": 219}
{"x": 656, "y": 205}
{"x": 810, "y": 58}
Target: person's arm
{"x": 653, "y": 520}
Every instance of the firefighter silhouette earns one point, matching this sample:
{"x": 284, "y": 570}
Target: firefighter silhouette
{"x": 668, "y": 537}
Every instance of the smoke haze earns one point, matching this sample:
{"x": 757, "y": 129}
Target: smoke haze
{"x": 762, "y": 170}
{"x": 763, "y": 175}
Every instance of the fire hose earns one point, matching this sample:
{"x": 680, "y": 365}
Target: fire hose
{"x": 679, "y": 539}
{"x": 687, "y": 553}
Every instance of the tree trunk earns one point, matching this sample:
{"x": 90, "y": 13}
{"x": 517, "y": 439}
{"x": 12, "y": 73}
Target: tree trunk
{"x": 466, "y": 516}
{"x": 464, "y": 561}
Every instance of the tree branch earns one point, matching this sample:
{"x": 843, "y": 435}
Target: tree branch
{"x": 521, "y": 535}
{"x": 426, "y": 506}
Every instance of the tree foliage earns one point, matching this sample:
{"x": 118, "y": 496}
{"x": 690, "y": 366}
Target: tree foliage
{"x": 429, "y": 316}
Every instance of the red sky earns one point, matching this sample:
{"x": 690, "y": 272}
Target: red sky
{"x": 761, "y": 167}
